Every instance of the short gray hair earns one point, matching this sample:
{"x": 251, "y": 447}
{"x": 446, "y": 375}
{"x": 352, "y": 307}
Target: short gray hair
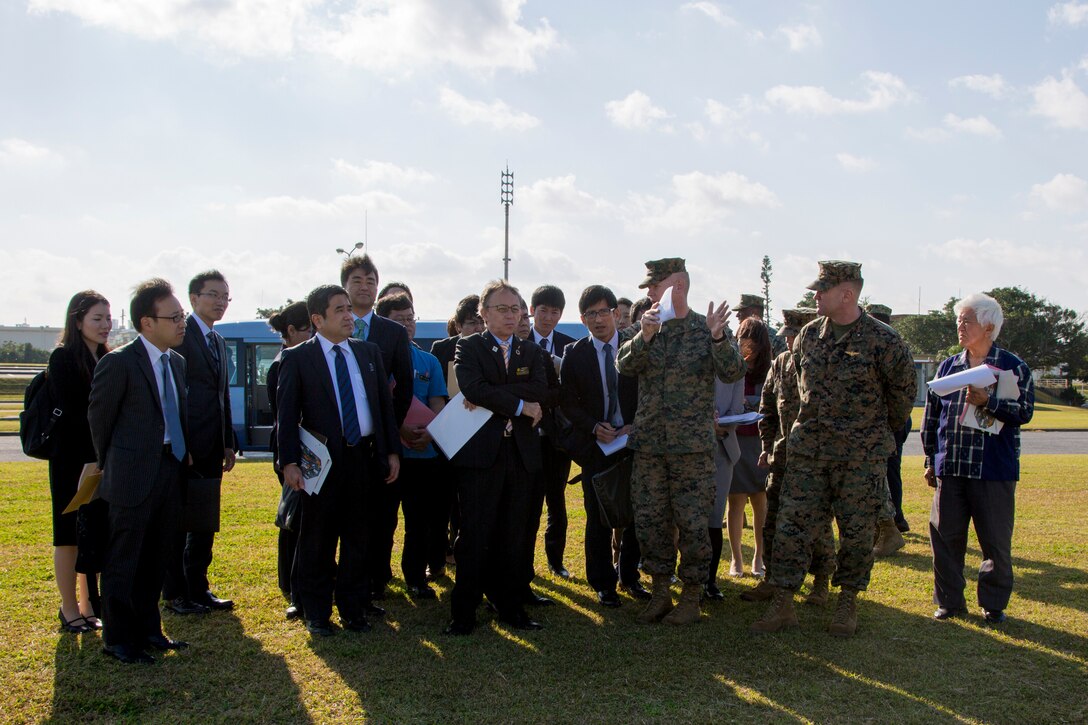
{"x": 987, "y": 311}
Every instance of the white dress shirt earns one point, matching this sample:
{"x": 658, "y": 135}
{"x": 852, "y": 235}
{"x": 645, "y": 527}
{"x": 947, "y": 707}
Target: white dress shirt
{"x": 366, "y": 423}
{"x": 156, "y": 366}
{"x": 599, "y": 347}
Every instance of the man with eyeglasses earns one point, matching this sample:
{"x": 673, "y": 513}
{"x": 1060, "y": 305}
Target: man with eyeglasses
{"x": 186, "y": 589}
{"x": 504, "y": 374}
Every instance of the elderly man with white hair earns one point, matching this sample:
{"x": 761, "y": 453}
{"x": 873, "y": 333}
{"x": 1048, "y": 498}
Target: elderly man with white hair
{"x": 975, "y": 472}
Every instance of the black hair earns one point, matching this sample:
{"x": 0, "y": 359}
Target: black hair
{"x": 393, "y": 303}
{"x": 78, "y": 307}
{"x": 317, "y": 302}
{"x": 594, "y": 294}
{"x": 393, "y": 285}
{"x": 293, "y": 315}
{"x": 144, "y": 298}
{"x": 196, "y": 284}
{"x": 467, "y": 308}
{"x": 353, "y": 263}
{"x": 548, "y": 294}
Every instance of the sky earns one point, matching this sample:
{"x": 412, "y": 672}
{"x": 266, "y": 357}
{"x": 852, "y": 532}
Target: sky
{"x": 944, "y": 145}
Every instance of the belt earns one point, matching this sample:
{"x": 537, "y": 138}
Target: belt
{"x": 365, "y": 443}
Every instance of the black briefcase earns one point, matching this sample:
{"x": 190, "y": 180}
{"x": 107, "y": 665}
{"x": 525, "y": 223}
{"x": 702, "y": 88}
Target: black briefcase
{"x": 289, "y": 510}
{"x": 613, "y": 489}
{"x": 200, "y": 512}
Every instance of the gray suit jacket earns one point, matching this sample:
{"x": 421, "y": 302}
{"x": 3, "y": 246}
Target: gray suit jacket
{"x": 126, "y": 419}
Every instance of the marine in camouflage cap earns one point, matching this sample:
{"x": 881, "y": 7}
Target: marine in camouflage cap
{"x": 659, "y": 269}
{"x": 747, "y": 300}
{"x": 834, "y": 272}
{"x": 880, "y": 312}
{"x": 795, "y": 319}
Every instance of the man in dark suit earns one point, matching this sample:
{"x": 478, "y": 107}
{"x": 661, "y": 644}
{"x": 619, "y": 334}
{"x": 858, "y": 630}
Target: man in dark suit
{"x": 497, "y": 371}
{"x": 137, "y": 416}
{"x": 211, "y": 443}
{"x": 336, "y": 388}
{"x": 546, "y": 307}
{"x": 600, "y": 405}
{"x": 359, "y": 277}
{"x": 467, "y": 321}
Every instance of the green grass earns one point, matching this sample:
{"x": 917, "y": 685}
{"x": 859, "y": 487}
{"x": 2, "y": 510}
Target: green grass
{"x": 589, "y": 665}
{"x": 1046, "y": 417}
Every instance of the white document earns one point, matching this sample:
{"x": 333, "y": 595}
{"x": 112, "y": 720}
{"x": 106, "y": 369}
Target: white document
{"x": 315, "y": 462}
{"x": 981, "y": 377}
{"x": 618, "y": 444}
{"x": 742, "y": 419}
{"x": 980, "y": 419}
{"x": 1008, "y": 385}
{"x": 456, "y": 424}
{"x": 665, "y": 310}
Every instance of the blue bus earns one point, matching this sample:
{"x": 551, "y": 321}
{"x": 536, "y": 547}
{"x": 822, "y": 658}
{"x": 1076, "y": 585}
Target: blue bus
{"x": 251, "y": 348}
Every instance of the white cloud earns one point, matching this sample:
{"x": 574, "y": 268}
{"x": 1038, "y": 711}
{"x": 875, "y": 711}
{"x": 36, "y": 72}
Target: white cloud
{"x": 801, "y": 37}
{"x": 699, "y": 200}
{"x": 1071, "y": 14}
{"x": 992, "y": 85}
{"x": 291, "y": 207}
{"x": 882, "y": 91}
{"x": 495, "y": 114}
{"x": 636, "y": 111}
{"x": 856, "y": 164}
{"x": 733, "y": 120}
{"x": 1065, "y": 192}
{"x": 1062, "y": 102}
{"x": 20, "y": 152}
{"x": 381, "y": 173}
{"x": 390, "y": 37}
{"x": 1006, "y": 256}
{"x": 560, "y": 196}
{"x": 712, "y": 11}
{"x": 979, "y": 125}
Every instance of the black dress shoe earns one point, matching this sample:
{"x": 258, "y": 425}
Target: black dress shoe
{"x": 943, "y": 613}
{"x": 379, "y": 594}
{"x": 712, "y": 593}
{"x": 320, "y": 627}
{"x": 458, "y": 629}
{"x": 162, "y": 642}
{"x": 128, "y": 655}
{"x": 993, "y": 616}
{"x": 521, "y": 621}
{"x": 902, "y": 525}
{"x": 535, "y": 600}
{"x": 293, "y": 611}
{"x": 355, "y": 625}
{"x": 422, "y": 592}
{"x": 211, "y": 601}
{"x": 559, "y": 571}
{"x": 184, "y": 606}
{"x": 636, "y": 590}
{"x": 608, "y": 598}
{"x": 373, "y": 610}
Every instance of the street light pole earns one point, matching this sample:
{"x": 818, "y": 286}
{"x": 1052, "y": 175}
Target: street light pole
{"x": 348, "y": 252}
{"x": 506, "y": 195}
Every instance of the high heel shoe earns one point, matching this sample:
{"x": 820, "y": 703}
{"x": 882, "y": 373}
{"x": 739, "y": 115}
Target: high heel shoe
{"x": 78, "y": 625}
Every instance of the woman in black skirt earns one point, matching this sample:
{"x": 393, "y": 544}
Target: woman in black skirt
{"x": 71, "y": 366}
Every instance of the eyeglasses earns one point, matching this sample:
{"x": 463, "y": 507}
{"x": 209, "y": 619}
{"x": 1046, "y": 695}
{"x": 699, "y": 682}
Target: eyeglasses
{"x": 594, "y": 314}
{"x": 176, "y": 319}
{"x": 505, "y": 309}
{"x": 215, "y": 296}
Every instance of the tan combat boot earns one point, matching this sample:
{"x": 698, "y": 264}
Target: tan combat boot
{"x": 845, "y": 621}
{"x": 687, "y": 611}
{"x": 760, "y": 593}
{"x": 779, "y": 615}
{"x": 818, "y": 596}
{"x": 660, "y": 601}
{"x": 888, "y": 538}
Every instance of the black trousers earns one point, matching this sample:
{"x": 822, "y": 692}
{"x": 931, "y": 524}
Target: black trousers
{"x": 549, "y": 486}
{"x": 286, "y": 544}
{"x": 187, "y": 566}
{"x": 337, "y": 514}
{"x": 382, "y": 517}
{"x": 895, "y": 476}
{"x": 494, "y": 504}
{"x": 135, "y": 561}
{"x": 600, "y": 573}
{"x": 991, "y": 505}
{"x": 423, "y": 483}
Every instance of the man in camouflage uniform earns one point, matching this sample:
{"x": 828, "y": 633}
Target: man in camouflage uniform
{"x": 752, "y": 306}
{"x": 856, "y": 383}
{"x": 779, "y": 405}
{"x": 672, "y": 485}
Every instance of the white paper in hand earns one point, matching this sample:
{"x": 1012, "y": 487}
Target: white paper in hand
{"x": 665, "y": 310}
{"x": 455, "y": 425}
{"x": 315, "y": 462}
{"x": 981, "y": 377}
{"x": 742, "y": 419}
{"x": 618, "y": 444}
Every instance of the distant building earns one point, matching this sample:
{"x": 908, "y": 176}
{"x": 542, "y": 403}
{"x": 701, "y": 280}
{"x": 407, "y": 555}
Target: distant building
{"x": 40, "y": 337}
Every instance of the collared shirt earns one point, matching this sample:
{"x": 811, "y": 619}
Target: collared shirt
{"x": 368, "y": 318}
{"x": 953, "y": 449}
{"x": 427, "y": 383}
{"x": 599, "y": 347}
{"x": 366, "y": 423}
{"x": 205, "y": 330}
{"x": 537, "y": 337}
{"x": 509, "y": 342}
{"x": 156, "y": 365}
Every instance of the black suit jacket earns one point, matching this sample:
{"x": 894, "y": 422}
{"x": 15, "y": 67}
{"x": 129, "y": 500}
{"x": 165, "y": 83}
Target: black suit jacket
{"x": 306, "y": 396}
{"x": 486, "y": 381}
{"x": 444, "y": 350}
{"x": 559, "y": 340}
{"x": 209, "y": 402}
{"x": 126, "y": 420}
{"x": 392, "y": 339}
{"x": 581, "y": 397}
{"x": 72, "y": 432}
{"x": 548, "y": 423}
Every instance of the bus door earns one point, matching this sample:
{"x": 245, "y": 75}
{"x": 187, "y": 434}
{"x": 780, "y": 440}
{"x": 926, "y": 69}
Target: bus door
{"x": 258, "y": 406}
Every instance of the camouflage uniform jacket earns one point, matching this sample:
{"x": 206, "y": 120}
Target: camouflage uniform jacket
{"x": 676, "y": 372}
{"x": 778, "y": 344}
{"x": 854, "y": 392}
{"x": 778, "y": 405}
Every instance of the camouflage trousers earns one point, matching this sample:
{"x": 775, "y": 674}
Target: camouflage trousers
{"x": 823, "y": 547}
{"x": 887, "y": 506}
{"x": 812, "y": 492}
{"x": 673, "y": 493}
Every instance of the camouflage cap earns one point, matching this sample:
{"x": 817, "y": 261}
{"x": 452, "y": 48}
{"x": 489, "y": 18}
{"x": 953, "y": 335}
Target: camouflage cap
{"x": 833, "y": 272}
{"x": 749, "y": 301}
{"x": 659, "y": 269}
{"x": 795, "y": 320}
{"x": 879, "y": 310}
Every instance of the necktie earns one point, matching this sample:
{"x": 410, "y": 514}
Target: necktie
{"x": 170, "y": 408}
{"x": 544, "y": 344}
{"x": 611, "y": 383}
{"x": 360, "y": 329}
{"x": 213, "y": 346}
{"x": 350, "y": 420}
{"x": 505, "y": 351}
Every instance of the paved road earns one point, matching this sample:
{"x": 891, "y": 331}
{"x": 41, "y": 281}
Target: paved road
{"x": 1032, "y": 442}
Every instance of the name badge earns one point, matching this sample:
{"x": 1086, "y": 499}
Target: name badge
{"x": 521, "y": 371}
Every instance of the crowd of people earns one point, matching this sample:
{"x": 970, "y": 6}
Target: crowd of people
{"x": 636, "y": 402}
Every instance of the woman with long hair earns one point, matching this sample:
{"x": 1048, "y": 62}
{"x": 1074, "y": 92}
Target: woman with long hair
{"x": 87, "y": 328}
{"x": 749, "y": 481}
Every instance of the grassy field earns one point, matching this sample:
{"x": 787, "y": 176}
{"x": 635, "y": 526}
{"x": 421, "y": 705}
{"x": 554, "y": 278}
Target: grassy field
{"x": 589, "y": 665}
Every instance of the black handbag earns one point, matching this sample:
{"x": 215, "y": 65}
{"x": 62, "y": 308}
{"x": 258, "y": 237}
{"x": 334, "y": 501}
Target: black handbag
{"x": 289, "y": 510}
{"x": 613, "y": 489}
{"x": 200, "y": 512}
